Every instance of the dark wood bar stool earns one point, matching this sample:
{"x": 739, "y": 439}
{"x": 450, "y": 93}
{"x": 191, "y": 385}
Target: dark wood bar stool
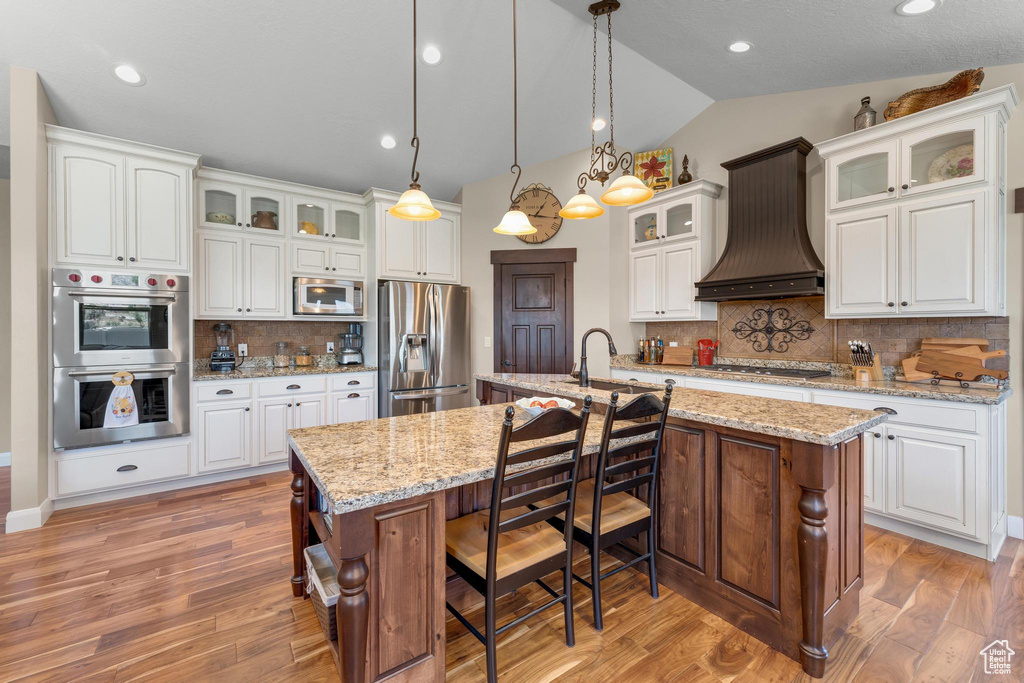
{"x": 509, "y": 546}
{"x": 606, "y": 512}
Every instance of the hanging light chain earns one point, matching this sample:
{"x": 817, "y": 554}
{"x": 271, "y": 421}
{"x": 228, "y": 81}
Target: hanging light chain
{"x": 516, "y": 168}
{"x": 611, "y": 96}
{"x": 415, "y": 143}
{"x": 593, "y": 97}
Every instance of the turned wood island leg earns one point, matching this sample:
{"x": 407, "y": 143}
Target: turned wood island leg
{"x": 813, "y": 550}
{"x": 353, "y": 611}
{"x": 299, "y": 521}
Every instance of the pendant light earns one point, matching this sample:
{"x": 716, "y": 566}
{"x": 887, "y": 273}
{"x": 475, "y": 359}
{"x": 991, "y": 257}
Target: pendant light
{"x": 414, "y": 204}
{"x": 515, "y": 222}
{"x": 626, "y": 190}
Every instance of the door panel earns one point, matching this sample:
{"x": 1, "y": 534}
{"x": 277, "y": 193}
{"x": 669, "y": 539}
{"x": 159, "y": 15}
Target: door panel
{"x": 874, "y": 469}
{"x": 89, "y": 206}
{"x": 863, "y": 175}
{"x": 264, "y": 279}
{"x": 224, "y": 436}
{"x": 450, "y": 341}
{"x": 681, "y": 496}
{"x": 940, "y": 157}
{"x": 310, "y": 411}
{"x": 346, "y": 263}
{"x": 220, "y": 281}
{"x": 273, "y": 422}
{"x": 861, "y": 272}
{"x": 645, "y": 291}
{"x": 353, "y": 406}
{"x": 400, "y": 251}
{"x": 678, "y": 273}
{"x": 533, "y": 318}
{"x": 310, "y": 258}
{"x": 942, "y": 254}
{"x": 157, "y": 215}
{"x": 439, "y": 250}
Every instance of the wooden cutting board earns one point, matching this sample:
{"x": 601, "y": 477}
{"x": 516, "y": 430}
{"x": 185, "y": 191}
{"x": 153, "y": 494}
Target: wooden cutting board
{"x": 948, "y": 365}
{"x": 678, "y": 355}
{"x": 945, "y": 343}
{"x": 911, "y": 372}
{"x": 976, "y": 352}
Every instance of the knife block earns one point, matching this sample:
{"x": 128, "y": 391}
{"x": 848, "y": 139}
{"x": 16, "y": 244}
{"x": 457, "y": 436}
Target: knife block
{"x": 869, "y": 373}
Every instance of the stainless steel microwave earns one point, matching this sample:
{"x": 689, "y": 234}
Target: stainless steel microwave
{"x": 320, "y": 296}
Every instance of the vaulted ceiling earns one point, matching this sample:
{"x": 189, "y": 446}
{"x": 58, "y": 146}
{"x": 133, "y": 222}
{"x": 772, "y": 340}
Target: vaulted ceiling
{"x": 304, "y": 91}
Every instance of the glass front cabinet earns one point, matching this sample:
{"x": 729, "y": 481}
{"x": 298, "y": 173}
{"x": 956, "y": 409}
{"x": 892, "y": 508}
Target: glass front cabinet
{"x": 929, "y": 215}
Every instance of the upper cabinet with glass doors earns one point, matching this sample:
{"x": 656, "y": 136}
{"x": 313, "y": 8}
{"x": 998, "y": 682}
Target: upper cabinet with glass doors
{"x": 680, "y": 213}
{"x": 936, "y": 179}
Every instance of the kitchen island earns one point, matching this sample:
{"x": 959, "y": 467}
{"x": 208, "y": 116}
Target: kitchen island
{"x": 759, "y": 517}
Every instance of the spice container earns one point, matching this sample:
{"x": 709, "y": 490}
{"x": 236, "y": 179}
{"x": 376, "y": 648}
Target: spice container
{"x": 303, "y": 357}
{"x": 281, "y": 357}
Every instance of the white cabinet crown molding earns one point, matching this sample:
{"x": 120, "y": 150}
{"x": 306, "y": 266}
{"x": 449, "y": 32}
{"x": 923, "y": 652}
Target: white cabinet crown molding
{"x": 120, "y": 146}
{"x": 691, "y": 189}
{"x": 375, "y": 195}
{"x": 1003, "y": 99}
{"x": 287, "y": 187}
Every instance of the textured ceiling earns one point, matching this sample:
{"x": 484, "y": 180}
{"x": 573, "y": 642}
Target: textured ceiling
{"x": 806, "y": 44}
{"x": 303, "y": 91}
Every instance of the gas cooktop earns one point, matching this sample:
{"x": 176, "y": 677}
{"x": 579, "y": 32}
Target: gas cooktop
{"x": 790, "y": 373}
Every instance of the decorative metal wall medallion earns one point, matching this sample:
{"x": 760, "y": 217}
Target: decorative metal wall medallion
{"x": 770, "y": 329}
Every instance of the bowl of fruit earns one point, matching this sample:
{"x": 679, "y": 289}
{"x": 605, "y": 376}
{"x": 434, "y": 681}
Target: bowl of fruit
{"x": 535, "y": 405}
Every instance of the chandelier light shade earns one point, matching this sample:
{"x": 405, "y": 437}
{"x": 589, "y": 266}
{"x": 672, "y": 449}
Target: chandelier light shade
{"x": 414, "y": 204}
{"x": 627, "y": 190}
{"x": 580, "y": 207}
{"x": 515, "y": 222}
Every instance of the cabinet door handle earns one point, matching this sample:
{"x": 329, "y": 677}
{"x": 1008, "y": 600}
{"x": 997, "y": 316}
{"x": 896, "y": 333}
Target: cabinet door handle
{"x": 247, "y": 225}
{"x": 247, "y": 409}
{"x": 132, "y": 259}
{"x": 905, "y": 186}
{"x": 333, "y": 268}
{"x": 239, "y": 310}
{"x": 892, "y": 437}
{"x": 892, "y": 189}
{"x": 890, "y": 304}
{"x": 120, "y": 258}
{"x": 353, "y": 395}
{"x": 224, "y": 392}
{"x": 353, "y": 381}
{"x": 293, "y": 387}
{"x": 289, "y": 405}
{"x": 127, "y": 468}
{"x": 904, "y": 303}
{"x": 886, "y": 410}
{"x": 878, "y": 435}
{"x": 248, "y": 310}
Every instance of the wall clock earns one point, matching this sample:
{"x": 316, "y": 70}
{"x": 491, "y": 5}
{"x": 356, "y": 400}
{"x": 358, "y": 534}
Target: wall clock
{"x": 541, "y": 206}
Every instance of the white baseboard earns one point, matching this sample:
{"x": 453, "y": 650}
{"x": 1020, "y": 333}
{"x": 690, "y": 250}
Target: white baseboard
{"x": 160, "y": 487}
{"x": 5, "y": 459}
{"x": 29, "y": 518}
{"x": 1015, "y": 526}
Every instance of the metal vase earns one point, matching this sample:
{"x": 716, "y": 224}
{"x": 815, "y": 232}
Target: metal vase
{"x": 866, "y": 117}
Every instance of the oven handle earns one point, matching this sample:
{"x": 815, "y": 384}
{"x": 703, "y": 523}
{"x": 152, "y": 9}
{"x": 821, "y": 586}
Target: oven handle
{"x": 93, "y": 373}
{"x": 122, "y": 295}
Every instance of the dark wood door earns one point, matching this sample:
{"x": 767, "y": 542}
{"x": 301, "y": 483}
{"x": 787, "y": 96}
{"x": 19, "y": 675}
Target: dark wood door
{"x": 533, "y": 316}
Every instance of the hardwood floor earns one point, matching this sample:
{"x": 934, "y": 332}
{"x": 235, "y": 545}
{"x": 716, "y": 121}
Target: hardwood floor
{"x": 192, "y": 585}
{"x": 5, "y": 496}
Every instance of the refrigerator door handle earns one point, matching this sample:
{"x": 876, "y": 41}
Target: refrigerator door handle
{"x": 432, "y": 323}
{"x": 428, "y": 393}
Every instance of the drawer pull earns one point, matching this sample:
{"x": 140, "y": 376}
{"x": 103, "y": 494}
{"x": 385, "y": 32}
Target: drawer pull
{"x": 224, "y": 392}
{"x": 293, "y": 387}
{"x": 892, "y": 437}
{"x": 670, "y": 381}
{"x": 887, "y": 411}
{"x": 353, "y": 395}
{"x": 878, "y": 435}
{"x": 127, "y": 468}
{"x": 352, "y": 382}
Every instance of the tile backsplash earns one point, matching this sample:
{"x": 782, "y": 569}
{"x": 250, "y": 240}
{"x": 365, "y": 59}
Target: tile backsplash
{"x": 262, "y": 335}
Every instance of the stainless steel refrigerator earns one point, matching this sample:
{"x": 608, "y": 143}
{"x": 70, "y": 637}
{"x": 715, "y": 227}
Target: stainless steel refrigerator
{"x": 423, "y": 348}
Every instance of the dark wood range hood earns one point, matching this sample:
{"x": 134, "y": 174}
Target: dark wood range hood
{"x": 768, "y": 253}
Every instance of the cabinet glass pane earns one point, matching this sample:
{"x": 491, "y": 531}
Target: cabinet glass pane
{"x": 263, "y": 212}
{"x": 220, "y": 207}
{"x": 645, "y": 228}
{"x": 309, "y": 219}
{"x": 863, "y": 176}
{"x": 945, "y": 157}
{"x": 346, "y": 224}
{"x": 679, "y": 220}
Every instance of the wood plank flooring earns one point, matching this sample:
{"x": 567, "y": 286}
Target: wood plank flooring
{"x": 192, "y": 585}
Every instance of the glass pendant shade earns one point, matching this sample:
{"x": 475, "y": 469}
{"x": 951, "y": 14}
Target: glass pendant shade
{"x": 414, "y": 205}
{"x": 627, "y": 190}
{"x": 515, "y": 222}
{"x": 580, "y": 207}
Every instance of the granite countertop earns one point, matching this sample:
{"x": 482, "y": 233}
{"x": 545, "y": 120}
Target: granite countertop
{"x": 262, "y": 372}
{"x": 362, "y": 464}
{"x": 811, "y": 422}
{"x": 880, "y": 387}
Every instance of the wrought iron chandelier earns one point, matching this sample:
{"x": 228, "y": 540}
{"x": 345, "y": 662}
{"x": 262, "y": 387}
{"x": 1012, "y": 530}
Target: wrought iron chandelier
{"x": 414, "y": 204}
{"x": 626, "y": 190}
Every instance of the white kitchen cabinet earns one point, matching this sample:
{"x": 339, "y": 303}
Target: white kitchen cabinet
{"x": 327, "y": 261}
{"x": 259, "y": 199}
{"x": 220, "y": 205}
{"x": 873, "y": 480}
{"x": 309, "y": 411}
{"x": 119, "y": 204}
{"x": 264, "y": 278}
{"x": 673, "y": 246}
{"x": 219, "y": 277}
{"x": 348, "y": 223}
{"x": 223, "y": 433}
{"x": 427, "y": 251}
{"x": 862, "y": 253}
{"x": 273, "y": 420}
{"x": 353, "y": 406}
{"x": 936, "y": 180}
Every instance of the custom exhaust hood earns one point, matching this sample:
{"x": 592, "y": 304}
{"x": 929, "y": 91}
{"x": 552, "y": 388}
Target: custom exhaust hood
{"x": 768, "y": 253}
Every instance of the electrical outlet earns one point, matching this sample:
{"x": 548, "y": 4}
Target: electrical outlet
{"x": 330, "y": 347}
{"x": 673, "y": 343}
{"x": 243, "y": 350}
{"x": 487, "y": 342}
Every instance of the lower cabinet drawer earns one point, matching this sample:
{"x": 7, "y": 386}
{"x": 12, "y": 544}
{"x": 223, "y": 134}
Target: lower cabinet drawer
{"x": 288, "y": 386}
{"x": 93, "y": 472}
{"x": 924, "y": 412}
{"x": 222, "y": 391}
{"x": 344, "y": 381}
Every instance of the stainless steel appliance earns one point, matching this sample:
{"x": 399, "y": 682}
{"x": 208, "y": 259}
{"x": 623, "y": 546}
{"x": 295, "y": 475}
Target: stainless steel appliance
{"x": 129, "y": 327}
{"x": 423, "y": 348}
{"x": 222, "y": 359}
{"x": 321, "y": 296}
{"x": 104, "y": 318}
{"x": 350, "y": 346}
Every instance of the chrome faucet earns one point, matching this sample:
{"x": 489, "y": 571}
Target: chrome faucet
{"x": 584, "y": 375}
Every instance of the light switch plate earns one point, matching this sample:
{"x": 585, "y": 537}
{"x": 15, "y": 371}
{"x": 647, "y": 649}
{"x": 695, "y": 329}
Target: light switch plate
{"x": 487, "y": 342}
{"x": 330, "y": 347}
{"x": 243, "y": 350}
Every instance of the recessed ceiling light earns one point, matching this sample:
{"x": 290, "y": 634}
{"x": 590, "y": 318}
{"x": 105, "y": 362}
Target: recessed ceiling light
{"x": 128, "y": 75}
{"x": 598, "y": 124}
{"x": 432, "y": 55}
{"x": 911, "y": 8}
{"x": 387, "y": 142}
{"x": 740, "y": 46}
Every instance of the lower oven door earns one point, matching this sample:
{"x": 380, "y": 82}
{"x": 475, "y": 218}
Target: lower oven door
{"x": 90, "y": 410}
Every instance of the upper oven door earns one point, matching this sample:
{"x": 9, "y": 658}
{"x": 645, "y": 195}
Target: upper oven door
{"x": 107, "y": 327}
{"x": 314, "y": 296}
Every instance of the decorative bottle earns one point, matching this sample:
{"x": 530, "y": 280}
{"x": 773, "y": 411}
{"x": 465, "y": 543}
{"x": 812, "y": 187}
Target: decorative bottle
{"x": 866, "y": 117}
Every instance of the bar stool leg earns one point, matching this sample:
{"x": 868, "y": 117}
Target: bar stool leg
{"x": 570, "y": 633}
{"x": 595, "y": 582}
{"x": 492, "y": 636}
{"x": 652, "y": 573}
